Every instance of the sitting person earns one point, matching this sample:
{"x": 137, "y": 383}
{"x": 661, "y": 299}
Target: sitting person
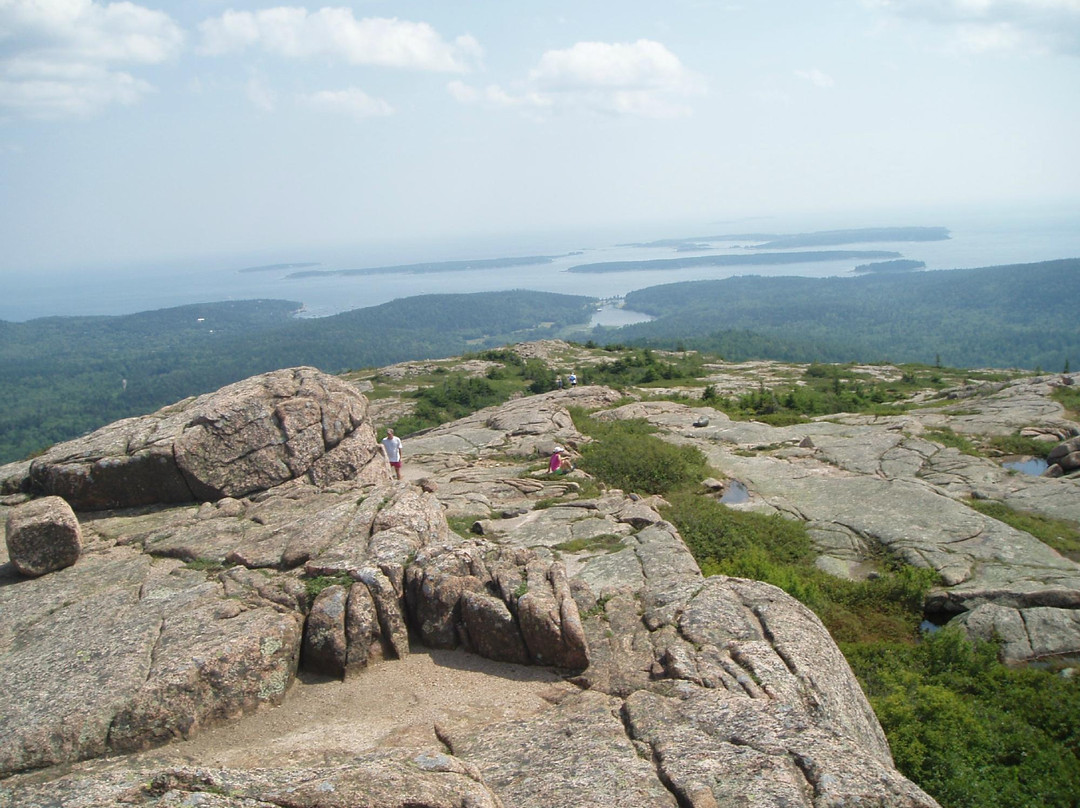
{"x": 559, "y": 462}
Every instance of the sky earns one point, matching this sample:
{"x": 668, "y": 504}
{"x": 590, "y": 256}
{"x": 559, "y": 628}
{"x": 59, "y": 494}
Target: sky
{"x": 147, "y": 130}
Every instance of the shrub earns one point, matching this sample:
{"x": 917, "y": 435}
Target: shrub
{"x": 717, "y": 534}
{"x": 970, "y": 731}
{"x": 634, "y": 461}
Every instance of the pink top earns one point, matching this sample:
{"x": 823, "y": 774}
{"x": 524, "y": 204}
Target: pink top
{"x": 554, "y": 463}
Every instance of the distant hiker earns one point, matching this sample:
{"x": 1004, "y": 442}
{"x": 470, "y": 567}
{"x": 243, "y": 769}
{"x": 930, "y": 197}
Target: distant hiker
{"x": 558, "y": 382}
{"x": 573, "y": 380}
{"x": 392, "y": 446}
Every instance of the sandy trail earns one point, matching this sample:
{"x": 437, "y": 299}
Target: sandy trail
{"x": 392, "y": 703}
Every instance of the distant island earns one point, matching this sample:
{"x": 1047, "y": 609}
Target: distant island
{"x": 754, "y": 259}
{"x": 822, "y": 238}
{"x": 898, "y": 265}
{"x": 435, "y": 266}
{"x": 273, "y": 267}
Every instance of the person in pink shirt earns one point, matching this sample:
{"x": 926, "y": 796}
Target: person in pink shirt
{"x": 559, "y": 463}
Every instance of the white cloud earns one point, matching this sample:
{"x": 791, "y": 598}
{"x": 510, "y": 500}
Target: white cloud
{"x": 980, "y": 26}
{"x": 352, "y": 101}
{"x": 816, "y": 77}
{"x": 642, "y": 78}
{"x": 335, "y": 33}
{"x": 62, "y": 57}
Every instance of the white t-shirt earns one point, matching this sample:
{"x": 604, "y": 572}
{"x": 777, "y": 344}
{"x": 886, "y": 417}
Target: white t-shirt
{"x": 393, "y": 448}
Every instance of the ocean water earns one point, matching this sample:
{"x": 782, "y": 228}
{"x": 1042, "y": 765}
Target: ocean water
{"x": 976, "y": 240}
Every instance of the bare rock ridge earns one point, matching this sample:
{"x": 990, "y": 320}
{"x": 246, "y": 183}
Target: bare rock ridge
{"x": 189, "y": 606}
{"x": 204, "y": 526}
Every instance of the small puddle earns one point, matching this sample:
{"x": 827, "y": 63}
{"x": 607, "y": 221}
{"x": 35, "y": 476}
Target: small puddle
{"x": 1033, "y": 466}
{"x": 735, "y": 493}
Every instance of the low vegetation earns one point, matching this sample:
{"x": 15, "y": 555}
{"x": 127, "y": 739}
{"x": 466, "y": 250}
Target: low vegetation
{"x": 1069, "y": 398}
{"x": 970, "y": 731}
{"x": 826, "y": 389}
{"x": 318, "y": 583}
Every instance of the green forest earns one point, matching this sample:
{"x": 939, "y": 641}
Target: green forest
{"x": 63, "y": 376}
{"x": 1017, "y": 316}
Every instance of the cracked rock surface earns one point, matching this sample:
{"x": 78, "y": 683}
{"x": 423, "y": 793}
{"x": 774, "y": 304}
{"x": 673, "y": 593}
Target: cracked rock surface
{"x": 867, "y": 484}
{"x": 614, "y": 672}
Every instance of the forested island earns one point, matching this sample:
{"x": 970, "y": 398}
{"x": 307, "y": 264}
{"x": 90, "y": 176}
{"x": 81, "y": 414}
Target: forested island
{"x": 279, "y": 267}
{"x": 897, "y": 265}
{"x": 434, "y": 266}
{"x": 753, "y": 259}
{"x": 821, "y": 238}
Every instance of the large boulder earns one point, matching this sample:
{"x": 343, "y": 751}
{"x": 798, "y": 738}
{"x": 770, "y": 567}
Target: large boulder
{"x": 43, "y": 536}
{"x": 247, "y": 437}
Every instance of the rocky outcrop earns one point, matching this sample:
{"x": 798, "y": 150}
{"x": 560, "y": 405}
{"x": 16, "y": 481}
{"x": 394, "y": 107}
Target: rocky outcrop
{"x": 247, "y": 437}
{"x": 685, "y": 690}
{"x": 43, "y": 536}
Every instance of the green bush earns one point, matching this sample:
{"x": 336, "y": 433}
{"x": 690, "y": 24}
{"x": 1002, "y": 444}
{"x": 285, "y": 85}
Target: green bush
{"x": 635, "y": 461}
{"x": 779, "y": 551}
{"x": 717, "y": 534}
{"x": 969, "y": 730}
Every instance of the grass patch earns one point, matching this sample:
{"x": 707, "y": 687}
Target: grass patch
{"x": 1069, "y": 398}
{"x": 1061, "y": 534}
{"x": 208, "y": 564}
{"x": 946, "y": 437}
{"x": 604, "y": 543}
{"x": 1017, "y": 444}
{"x": 317, "y": 584}
{"x": 462, "y": 525}
{"x": 779, "y": 551}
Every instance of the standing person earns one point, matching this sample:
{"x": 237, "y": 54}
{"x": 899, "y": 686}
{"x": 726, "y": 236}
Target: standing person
{"x": 392, "y": 446}
{"x": 573, "y": 380}
{"x": 558, "y": 382}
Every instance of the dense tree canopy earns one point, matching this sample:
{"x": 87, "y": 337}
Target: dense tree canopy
{"x": 1009, "y": 316}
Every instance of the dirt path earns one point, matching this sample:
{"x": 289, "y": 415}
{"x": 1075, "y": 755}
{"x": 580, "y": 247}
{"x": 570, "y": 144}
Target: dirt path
{"x": 395, "y": 703}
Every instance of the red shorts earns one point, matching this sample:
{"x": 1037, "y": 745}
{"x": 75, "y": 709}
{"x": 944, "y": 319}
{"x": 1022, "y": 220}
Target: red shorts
{"x": 396, "y": 465}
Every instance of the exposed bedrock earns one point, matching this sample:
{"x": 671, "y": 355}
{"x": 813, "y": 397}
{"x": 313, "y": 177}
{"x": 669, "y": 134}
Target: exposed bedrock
{"x": 682, "y": 690}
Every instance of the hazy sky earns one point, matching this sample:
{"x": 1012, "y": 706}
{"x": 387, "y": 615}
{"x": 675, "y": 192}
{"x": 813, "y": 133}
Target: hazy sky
{"x": 151, "y": 129}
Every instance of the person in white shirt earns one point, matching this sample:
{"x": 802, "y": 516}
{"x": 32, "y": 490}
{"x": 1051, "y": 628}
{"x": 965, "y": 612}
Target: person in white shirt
{"x": 392, "y": 446}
